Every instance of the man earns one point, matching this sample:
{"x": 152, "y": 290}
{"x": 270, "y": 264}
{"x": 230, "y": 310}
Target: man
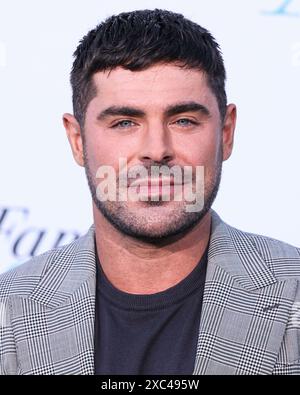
{"x": 159, "y": 284}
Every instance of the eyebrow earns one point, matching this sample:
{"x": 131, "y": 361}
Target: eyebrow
{"x": 123, "y": 111}
{"x": 171, "y": 110}
{"x": 187, "y": 107}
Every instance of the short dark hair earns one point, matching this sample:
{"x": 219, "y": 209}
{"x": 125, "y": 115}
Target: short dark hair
{"x": 139, "y": 39}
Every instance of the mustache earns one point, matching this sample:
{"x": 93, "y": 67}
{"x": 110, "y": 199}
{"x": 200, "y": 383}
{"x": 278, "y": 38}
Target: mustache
{"x": 155, "y": 173}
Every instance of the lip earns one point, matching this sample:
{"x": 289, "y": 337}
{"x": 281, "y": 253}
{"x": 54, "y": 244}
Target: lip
{"x": 154, "y": 182}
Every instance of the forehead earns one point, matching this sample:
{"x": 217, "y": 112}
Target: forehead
{"x": 159, "y": 85}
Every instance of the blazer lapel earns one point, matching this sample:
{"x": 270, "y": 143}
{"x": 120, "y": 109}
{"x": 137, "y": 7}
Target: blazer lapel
{"x": 54, "y": 326}
{"x": 245, "y": 309}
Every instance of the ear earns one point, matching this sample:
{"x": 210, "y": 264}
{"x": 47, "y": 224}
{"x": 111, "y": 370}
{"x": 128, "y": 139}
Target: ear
{"x": 228, "y": 130}
{"x": 74, "y": 136}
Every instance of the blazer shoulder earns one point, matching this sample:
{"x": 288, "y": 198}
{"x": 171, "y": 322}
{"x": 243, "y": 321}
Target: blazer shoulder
{"x": 277, "y": 248}
{"x": 23, "y": 279}
{"x": 281, "y": 257}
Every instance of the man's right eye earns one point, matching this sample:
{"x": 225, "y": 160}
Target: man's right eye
{"x": 124, "y": 124}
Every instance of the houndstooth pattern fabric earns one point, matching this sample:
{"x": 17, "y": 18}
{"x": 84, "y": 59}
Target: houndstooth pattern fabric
{"x": 250, "y": 322}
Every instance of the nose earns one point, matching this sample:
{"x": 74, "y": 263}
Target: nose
{"x": 156, "y": 145}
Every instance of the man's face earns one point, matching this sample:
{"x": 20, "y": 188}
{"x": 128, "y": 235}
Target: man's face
{"x": 164, "y": 115}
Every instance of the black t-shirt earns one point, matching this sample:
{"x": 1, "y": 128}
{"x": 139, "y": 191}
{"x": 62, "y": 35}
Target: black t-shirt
{"x": 148, "y": 334}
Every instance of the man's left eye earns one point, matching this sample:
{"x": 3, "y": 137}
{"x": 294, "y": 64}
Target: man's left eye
{"x": 185, "y": 122}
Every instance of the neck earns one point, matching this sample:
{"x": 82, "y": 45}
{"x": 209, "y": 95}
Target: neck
{"x": 138, "y": 267}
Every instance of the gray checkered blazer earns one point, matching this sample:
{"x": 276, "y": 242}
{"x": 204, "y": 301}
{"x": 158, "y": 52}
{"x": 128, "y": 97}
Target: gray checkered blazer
{"x": 250, "y": 320}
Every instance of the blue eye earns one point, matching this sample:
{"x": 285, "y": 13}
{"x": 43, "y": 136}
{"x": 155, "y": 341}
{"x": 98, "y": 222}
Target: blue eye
{"x": 185, "y": 122}
{"x": 126, "y": 123}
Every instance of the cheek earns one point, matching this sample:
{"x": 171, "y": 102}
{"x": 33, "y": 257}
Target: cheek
{"x": 203, "y": 150}
{"x": 104, "y": 151}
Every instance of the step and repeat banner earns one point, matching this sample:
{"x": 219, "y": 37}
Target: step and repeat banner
{"x": 44, "y": 200}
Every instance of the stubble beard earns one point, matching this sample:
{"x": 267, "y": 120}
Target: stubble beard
{"x": 154, "y": 222}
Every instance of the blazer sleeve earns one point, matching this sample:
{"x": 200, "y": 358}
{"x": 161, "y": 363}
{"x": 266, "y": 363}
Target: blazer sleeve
{"x": 288, "y": 361}
{"x": 8, "y": 355}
